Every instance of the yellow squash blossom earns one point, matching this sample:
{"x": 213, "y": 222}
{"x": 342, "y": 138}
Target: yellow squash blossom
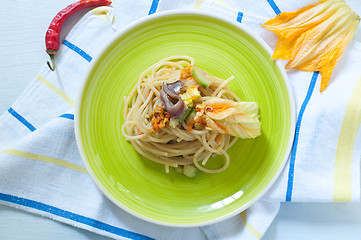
{"x": 314, "y": 37}
{"x": 238, "y": 119}
{"x": 190, "y": 95}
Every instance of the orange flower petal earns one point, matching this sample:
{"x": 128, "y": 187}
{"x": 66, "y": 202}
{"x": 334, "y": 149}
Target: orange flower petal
{"x": 314, "y": 38}
{"x": 238, "y": 119}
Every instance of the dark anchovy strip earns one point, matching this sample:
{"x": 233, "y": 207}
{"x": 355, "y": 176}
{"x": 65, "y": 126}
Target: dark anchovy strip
{"x": 177, "y": 85}
{"x": 172, "y": 102}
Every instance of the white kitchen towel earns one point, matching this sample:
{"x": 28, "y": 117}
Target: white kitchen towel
{"x": 41, "y": 170}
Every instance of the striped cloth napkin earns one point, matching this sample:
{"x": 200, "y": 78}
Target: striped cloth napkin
{"x": 42, "y": 172}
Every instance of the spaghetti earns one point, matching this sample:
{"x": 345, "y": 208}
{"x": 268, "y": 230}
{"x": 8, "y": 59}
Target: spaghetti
{"x": 188, "y": 140}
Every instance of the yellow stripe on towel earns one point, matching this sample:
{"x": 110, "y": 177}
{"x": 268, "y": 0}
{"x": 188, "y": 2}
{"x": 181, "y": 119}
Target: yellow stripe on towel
{"x": 198, "y": 4}
{"x": 221, "y": 2}
{"x": 249, "y": 226}
{"x": 345, "y": 146}
{"x": 55, "y": 89}
{"x": 45, "y": 159}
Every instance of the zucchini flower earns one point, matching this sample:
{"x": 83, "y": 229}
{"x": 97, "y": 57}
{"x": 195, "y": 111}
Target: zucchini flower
{"x": 314, "y": 37}
{"x": 190, "y": 95}
{"x": 239, "y": 119}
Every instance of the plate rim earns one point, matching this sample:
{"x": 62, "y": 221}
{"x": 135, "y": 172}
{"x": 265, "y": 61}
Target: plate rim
{"x": 95, "y": 60}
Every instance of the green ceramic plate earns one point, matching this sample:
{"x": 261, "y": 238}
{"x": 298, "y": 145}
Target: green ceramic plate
{"x": 142, "y": 187}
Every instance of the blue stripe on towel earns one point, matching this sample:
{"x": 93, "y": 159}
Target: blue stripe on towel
{"x": 154, "y": 7}
{"x": 77, "y": 50}
{"x": 297, "y": 132}
{"x": 239, "y": 17}
{"x": 21, "y": 119}
{"x": 67, "y": 115}
{"x": 72, "y": 216}
{"x": 274, "y": 6}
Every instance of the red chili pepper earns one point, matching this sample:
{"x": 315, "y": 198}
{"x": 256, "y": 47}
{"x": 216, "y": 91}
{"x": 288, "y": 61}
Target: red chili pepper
{"x": 52, "y": 37}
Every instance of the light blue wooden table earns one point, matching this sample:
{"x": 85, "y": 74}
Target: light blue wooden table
{"x": 22, "y": 52}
